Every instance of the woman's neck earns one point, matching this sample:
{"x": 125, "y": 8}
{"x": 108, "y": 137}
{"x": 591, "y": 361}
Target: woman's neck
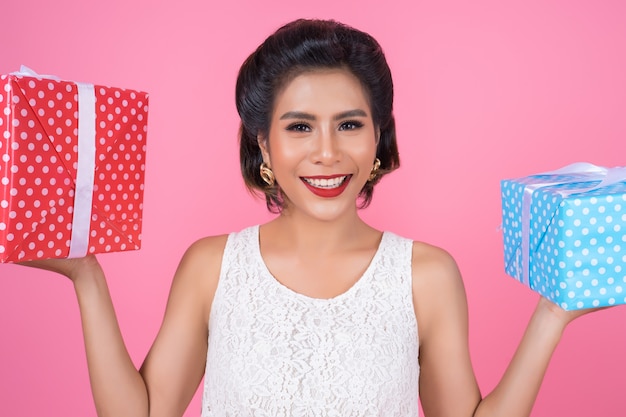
{"x": 310, "y": 234}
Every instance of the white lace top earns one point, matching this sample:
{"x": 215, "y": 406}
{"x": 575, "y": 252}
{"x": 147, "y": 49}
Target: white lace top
{"x": 274, "y": 352}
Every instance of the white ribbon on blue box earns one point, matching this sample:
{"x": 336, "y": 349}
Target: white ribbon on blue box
{"x": 565, "y": 234}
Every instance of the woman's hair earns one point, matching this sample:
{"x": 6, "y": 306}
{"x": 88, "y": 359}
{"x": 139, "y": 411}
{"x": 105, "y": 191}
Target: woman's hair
{"x": 298, "y": 47}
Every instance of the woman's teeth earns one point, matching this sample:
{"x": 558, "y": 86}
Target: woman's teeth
{"x": 325, "y": 183}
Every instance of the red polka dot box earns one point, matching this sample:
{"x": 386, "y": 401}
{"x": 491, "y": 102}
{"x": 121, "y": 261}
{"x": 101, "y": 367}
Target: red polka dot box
{"x": 565, "y": 234}
{"x": 72, "y": 161}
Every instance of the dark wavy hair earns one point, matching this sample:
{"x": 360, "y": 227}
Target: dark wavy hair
{"x": 301, "y": 46}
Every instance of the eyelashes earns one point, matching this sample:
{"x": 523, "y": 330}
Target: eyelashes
{"x": 346, "y": 125}
{"x": 298, "y": 127}
{"x": 350, "y": 125}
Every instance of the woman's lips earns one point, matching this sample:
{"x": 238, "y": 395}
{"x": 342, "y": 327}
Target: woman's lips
{"x": 327, "y": 186}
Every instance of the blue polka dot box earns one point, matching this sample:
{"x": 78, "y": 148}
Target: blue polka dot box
{"x": 564, "y": 234}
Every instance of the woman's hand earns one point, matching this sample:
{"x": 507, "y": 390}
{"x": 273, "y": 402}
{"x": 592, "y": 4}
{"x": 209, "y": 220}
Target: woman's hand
{"x": 564, "y": 316}
{"x": 71, "y": 268}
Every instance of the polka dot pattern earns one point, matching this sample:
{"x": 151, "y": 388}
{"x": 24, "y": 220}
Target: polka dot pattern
{"x": 577, "y": 240}
{"x": 38, "y": 165}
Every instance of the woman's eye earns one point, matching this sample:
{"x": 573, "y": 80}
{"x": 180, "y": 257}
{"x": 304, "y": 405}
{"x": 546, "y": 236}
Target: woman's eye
{"x": 299, "y": 127}
{"x": 350, "y": 125}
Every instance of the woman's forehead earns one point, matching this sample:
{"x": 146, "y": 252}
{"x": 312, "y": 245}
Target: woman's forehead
{"x": 322, "y": 91}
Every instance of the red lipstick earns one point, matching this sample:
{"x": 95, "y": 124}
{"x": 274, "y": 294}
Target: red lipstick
{"x": 327, "y": 192}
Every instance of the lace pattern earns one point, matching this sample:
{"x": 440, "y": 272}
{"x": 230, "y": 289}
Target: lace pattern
{"x": 275, "y": 352}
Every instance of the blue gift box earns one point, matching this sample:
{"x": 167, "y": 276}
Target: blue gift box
{"x": 565, "y": 234}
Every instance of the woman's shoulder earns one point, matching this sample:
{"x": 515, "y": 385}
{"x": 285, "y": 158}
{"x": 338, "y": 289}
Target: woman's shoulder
{"x": 432, "y": 267}
{"x": 438, "y": 289}
{"x": 432, "y": 260}
{"x": 198, "y": 272}
{"x": 208, "y": 251}
{"x": 436, "y": 274}
{"x": 202, "y": 258}
{"x": 427, "y": 258}
{"x": 208, "y": 246}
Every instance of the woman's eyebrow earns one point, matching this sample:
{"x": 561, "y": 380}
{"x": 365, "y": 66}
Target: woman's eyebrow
{"x": 297, "y": 115}
{"x": 308, "y": 116}
{"x": 350, "y": 113}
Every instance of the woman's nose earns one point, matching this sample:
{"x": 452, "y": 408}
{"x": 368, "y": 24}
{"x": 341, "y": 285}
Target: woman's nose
{"x": 326, "y": 150}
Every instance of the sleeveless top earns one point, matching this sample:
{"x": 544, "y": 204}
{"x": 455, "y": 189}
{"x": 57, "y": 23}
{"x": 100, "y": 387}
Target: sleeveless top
{"x": 273, "y": 352}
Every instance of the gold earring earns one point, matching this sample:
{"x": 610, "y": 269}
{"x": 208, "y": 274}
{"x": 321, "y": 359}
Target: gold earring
{"x": 374, "y": 172}
{"x": 267, "y": 174}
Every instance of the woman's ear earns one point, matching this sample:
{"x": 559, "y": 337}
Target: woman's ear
{"x": 263, "y": 145}
{"x": 377, "y": 135}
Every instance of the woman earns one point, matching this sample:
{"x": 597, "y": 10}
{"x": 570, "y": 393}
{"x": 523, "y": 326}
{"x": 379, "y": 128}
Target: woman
{"x": 314, "y": 313}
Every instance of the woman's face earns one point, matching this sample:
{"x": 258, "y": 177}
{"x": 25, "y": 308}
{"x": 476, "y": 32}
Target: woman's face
{"x": 322, "y": 142}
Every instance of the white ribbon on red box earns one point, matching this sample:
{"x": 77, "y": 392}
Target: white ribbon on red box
{"x": 83, "y": 196}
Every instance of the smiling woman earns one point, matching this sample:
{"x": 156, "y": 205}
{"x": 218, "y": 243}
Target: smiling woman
{"x": 314, "y": 313}
{"x": 331, "y": 49}
{"x": 321, "y": 136}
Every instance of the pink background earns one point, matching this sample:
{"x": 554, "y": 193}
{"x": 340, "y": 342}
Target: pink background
{"x": 485, "y": 90}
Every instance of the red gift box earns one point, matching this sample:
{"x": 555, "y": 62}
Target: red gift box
{"x": 72, "y": 162}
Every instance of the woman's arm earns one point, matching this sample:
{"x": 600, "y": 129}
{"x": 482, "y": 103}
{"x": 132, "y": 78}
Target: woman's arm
{"x": 175, "y": 364}
{"x": 117, "y": 387}
{"x": 447, "y": 383}
{"x": 517, "y": 391}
